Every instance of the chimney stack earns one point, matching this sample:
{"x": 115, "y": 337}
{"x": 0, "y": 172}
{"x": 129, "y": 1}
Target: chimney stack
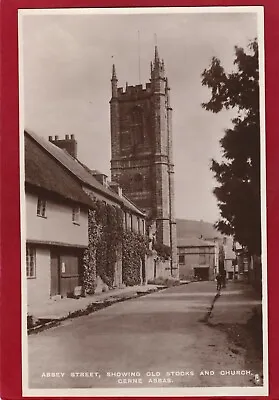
{"x": 116, "y": 188}
{"x": 50, "y": 138}
{"x": 68, "y": 144}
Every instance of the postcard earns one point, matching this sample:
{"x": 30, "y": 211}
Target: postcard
{"x": 143, "y": 201}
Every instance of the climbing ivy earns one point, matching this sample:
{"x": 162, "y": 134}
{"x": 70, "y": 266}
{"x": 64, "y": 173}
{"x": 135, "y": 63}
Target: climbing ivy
{"x": 89, "y": 259}
{"x": 106, "y": 240}
{"x": 135, "y": 247}
{"x": 111, "y": 219}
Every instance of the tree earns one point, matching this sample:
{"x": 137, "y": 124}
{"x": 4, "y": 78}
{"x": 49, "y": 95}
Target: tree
{"x": 238, "y": 175}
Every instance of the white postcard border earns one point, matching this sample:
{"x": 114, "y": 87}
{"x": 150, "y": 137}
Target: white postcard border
{"x": 159, "y": 391}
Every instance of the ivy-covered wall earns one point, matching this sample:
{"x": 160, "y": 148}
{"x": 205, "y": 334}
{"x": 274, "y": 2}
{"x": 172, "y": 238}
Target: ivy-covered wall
{"x": 105, "y": 229}
{"x": 135, "y": 247}
{"x": 107, "y": 242}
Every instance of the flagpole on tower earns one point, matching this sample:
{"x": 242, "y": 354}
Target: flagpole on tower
{"x": 155, "y": 39}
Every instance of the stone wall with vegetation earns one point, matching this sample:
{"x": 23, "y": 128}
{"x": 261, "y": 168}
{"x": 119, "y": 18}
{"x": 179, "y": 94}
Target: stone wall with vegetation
{"x": 108, "y": 239}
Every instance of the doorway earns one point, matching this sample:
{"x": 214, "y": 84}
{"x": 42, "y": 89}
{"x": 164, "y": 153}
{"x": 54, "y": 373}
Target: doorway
{"x": 202, "y": 273}
{"x": 54, "y": 274}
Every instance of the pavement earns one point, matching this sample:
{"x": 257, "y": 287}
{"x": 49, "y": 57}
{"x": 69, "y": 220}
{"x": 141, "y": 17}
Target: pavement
{"x": 173, "y": 337}
{"x": 62, "y": 308}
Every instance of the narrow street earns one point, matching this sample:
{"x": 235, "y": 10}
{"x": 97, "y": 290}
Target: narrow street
{"x": 161, "y": 339}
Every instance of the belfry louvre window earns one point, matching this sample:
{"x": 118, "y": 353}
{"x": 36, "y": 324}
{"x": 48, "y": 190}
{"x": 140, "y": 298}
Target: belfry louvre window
{"x": 41, "y": 208}
{"x": 30, "y": 262}
{"x": 138, "y": 182}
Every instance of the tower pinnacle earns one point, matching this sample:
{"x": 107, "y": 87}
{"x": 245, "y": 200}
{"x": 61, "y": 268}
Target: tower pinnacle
{"x": 113, "y": 73}
{"x": 157, "y": 67}
{"x": 113, "y": 82}
{"x": 156, "y": 58}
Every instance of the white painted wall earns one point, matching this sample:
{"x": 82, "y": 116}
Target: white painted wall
{"x": 57, "y": 226}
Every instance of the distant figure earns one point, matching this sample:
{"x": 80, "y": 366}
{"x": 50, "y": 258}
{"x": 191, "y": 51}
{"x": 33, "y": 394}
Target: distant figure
{"x": 219, "y": 280}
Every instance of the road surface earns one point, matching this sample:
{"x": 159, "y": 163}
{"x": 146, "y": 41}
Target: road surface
{"x": 154, "y": 340}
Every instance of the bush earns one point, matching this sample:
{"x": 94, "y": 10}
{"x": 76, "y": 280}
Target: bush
{"x": 163, "y": 251}
{"x": 169, "y": 282}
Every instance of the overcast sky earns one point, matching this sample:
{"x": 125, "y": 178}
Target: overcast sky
{"x": 67, "y": 62}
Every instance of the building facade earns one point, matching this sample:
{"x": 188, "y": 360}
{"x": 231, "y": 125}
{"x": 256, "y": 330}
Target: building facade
{"x": 142, "y": 154}
{"x": 197, "y": 259}
{"x": 56, "y": 213}
{"x": 230, "y": 261}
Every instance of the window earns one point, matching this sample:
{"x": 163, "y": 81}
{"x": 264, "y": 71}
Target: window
{"x": 143, "y": 227}
{"x": 138, "y": 183}
{"x": 181, "y": 258}
{"x": 30, "y": 262}
{"x": 138, "y": 222}
{"x": 202, "y": 259}
{"x": 41, "y": 208}
{"x": 131, "y": 222}
{"x": 75, "y": 215}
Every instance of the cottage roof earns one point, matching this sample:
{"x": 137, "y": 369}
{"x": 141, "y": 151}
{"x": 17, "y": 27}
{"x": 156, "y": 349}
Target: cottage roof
{"x": 194, "y": 242}
{"x": 74, "y": 166}
{"x": 82, "y": 172}
{"x": 43, "y": 172}
{"x": 131, "y": 206}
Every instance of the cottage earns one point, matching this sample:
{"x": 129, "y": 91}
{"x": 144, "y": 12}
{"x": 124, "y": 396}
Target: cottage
{"x": 56, "y": 210}
{"x": 57, "y": 186}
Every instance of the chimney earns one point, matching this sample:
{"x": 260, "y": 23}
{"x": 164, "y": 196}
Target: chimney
{"x": 50, "y": 138}
{"x": 116, "y": 188}
{"x": 69, "y": 144}
{"x": 102, "y": 178}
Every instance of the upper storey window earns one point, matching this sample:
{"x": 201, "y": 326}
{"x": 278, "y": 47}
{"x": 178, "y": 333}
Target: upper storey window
{"x": 41, "y": 207}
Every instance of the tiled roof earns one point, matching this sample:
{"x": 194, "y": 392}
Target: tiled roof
{"x": 194, "y": 242}
{"x": 43, "y": 172}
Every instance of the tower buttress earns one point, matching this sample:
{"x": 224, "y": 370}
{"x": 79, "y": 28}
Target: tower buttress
{"x": 158, "y": 82}
{"x": 173, "y": 230}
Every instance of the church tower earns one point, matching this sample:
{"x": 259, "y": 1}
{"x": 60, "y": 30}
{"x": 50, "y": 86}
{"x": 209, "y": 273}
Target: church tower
{"x": 141, "y": 150}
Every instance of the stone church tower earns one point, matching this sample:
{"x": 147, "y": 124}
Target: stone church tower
{"x": 141, "y": 151}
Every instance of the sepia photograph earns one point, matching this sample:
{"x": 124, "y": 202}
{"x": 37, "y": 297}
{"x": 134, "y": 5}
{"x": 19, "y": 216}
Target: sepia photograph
{"x": 143, "y": 201}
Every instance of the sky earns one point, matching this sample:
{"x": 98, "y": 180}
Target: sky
{"x": 66, "y": 63}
